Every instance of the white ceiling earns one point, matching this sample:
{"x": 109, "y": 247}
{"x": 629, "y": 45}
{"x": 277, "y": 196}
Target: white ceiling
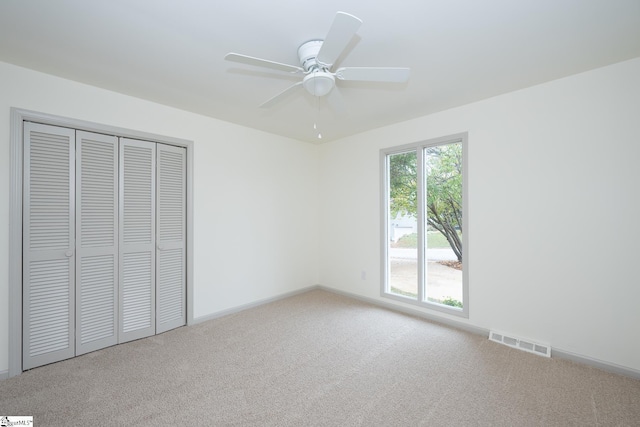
{"x": 459, "y": 51}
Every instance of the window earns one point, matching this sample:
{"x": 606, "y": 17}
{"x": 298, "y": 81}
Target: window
{"x": 424, "y": 224}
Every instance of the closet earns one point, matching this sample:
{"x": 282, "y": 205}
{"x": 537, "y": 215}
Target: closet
{"x": 104, "y": 233}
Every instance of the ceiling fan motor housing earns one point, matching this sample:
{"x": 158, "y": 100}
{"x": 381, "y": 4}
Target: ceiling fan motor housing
{"x": 307, "y": 53}
{"x": 319, "y": 81}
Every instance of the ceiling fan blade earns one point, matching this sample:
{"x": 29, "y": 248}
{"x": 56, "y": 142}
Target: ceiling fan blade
{"x": 342, "y": 30}
{"x": 245, "y": 59}
{"x": 268, "y": 103}
{"x": 373, "y": 74}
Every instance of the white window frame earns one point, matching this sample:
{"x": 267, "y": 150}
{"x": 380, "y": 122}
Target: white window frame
{"x": 419, "y": 148}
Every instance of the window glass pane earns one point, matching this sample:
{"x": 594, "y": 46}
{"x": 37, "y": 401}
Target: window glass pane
{"x": 403, "y": 226}
{"x": 443, "y": 217}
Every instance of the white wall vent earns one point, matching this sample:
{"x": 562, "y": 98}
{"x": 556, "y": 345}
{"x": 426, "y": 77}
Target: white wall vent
{"x": 521, "y": 343}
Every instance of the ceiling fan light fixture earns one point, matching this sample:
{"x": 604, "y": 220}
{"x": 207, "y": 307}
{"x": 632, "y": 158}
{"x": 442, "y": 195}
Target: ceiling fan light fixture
{"x": 318, "y": 83}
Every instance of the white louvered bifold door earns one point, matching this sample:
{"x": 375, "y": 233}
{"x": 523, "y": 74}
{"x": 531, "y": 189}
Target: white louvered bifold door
{"x": 48, "y": 245}
{"x": 171, "y": 236}
{"x": 137, "y": 239}
{"x": 96, "y": 241}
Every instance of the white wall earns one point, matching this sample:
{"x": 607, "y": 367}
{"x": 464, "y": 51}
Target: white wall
{"x": 248, "y": 187}
{"x": 554, "y": 211}
{"x": 553, "y": 206}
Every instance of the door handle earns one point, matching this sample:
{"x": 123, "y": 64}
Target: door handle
{"x": 161, "y": 247}
{"x": 68, "y": 254}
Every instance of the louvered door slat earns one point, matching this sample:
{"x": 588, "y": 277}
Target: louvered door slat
{"x": 171, "y": 237}
{"x": 97, "y": 242}
{"x": 137, "y": 293}
{"x": 49, "y": 306}
{"x": 171, "y": 286}
{"x": 48, "y": 244}
{"x": 137, "y": 239}
{"x": 97, "y": 305}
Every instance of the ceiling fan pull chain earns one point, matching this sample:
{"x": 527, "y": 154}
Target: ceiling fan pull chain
{"x": 315, "y": 127}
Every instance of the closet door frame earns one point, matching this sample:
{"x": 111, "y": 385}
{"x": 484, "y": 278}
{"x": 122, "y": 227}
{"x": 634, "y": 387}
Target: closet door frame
{"x": 16, "y": 169}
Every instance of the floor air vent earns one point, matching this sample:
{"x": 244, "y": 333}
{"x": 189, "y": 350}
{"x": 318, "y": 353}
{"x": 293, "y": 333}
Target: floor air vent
{"x": 521, "y": 343}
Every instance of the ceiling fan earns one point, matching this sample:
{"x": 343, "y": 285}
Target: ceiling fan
{"x": 317, "y": 58}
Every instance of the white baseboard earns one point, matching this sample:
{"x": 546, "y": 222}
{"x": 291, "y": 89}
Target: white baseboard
{"x": 411, "y": 311}
{"x": 253, "y": 304}
{"x": 605, "y": 366}
{"x": 555, "y": 352}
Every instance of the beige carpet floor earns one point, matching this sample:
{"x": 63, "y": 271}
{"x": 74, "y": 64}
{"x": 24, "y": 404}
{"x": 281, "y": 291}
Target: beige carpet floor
{"x": 319, "y": 359}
